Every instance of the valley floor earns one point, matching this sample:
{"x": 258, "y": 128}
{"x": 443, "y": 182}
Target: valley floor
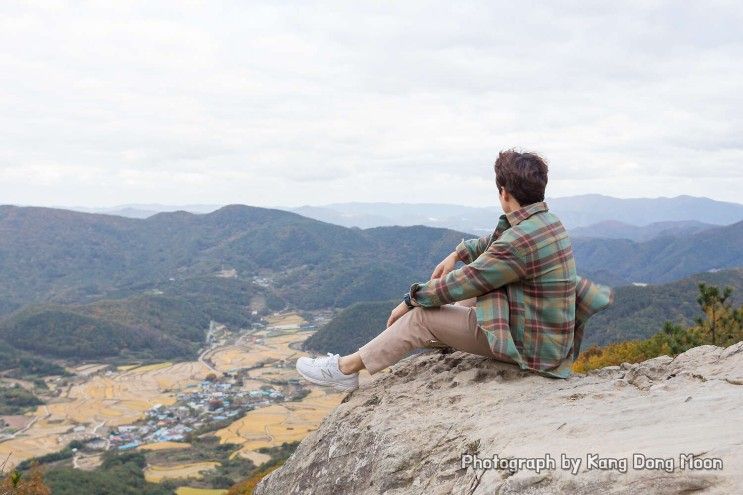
{"x": 115, "y": 405}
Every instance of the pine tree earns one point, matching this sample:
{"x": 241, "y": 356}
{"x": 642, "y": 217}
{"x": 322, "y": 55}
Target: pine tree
{"x": 714, "y": 303}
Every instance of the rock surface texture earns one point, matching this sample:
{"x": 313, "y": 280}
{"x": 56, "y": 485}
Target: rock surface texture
{"x": 406, "y": 430}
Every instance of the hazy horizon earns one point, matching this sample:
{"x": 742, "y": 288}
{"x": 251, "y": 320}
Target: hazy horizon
{"x": 319, "y": 205}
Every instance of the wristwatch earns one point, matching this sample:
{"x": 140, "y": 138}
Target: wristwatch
{"x": 407, "y": 301}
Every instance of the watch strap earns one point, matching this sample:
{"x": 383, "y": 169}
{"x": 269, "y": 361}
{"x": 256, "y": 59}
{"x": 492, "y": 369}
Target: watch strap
{"x": 407, "y": 301}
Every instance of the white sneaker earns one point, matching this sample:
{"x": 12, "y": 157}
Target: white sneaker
{"x": 325, "y": 371}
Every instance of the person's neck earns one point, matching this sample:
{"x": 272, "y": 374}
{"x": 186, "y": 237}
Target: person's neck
{"x": 511, "y": 206}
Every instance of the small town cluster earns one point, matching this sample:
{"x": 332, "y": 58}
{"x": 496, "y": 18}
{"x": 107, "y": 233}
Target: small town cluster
{"x": 216, "y": 401}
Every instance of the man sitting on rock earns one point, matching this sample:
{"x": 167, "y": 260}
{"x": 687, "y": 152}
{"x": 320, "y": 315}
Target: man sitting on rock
{"x": 516, "y": 299}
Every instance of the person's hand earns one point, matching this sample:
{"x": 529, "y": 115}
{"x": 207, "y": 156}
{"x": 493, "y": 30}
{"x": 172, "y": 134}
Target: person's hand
{"x": 399, "y": 310}
{"x": 445, "y": 266}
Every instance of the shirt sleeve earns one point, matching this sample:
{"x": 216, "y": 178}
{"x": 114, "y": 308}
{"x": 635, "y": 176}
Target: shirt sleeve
{"x": 470, "y": 249}
{"x": 497, "y": 266}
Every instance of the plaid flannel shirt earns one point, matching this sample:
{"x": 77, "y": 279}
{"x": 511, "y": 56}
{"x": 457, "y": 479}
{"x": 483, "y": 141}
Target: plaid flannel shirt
{"x": 530, "y": 302}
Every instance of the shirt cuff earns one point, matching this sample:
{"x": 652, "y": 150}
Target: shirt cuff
{"x": 413, "y": 288}
{"x": 423, "y": 301}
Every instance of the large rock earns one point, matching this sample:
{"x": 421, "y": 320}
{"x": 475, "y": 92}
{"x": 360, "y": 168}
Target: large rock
{"x": 405, "y": 431}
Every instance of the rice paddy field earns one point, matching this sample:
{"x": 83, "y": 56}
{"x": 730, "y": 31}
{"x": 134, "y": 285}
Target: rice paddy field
{"x": 187, "y": 490}
{"x": 150, "y": 447}
{"x": 257, "y": 458}
{"x": 286, "y": 422}
{"x": 103, "y": 399}
{"x": 193, "y": 470}
{"x": 286, "y": 320}
{"x": 259, "y": 347}
{"x": 278, "y": 423}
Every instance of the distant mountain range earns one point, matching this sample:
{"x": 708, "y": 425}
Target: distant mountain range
{"x": 612, "y": 229}
{"x": 638, "y": 312}
{"x": 60, "y": 256}
{"x": 575, "y": 212}
{"x": 75, "y": 283}
{"x": 143, "y": 210}
{"x": 663, "y": 259}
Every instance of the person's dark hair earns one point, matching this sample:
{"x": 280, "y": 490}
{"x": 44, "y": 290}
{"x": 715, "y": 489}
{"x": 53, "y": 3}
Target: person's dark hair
{"x": 524, "y": 175}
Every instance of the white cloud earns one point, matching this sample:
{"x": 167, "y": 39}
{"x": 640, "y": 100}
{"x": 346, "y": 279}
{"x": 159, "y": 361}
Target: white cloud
{"x": 285, "y": 104}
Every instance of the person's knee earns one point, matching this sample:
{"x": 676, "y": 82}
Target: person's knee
{"x": 416, "y": 312}
{"x": 472, "y": 301}
{"x": 473, "y": 318}
{"x": 421, "y": 316}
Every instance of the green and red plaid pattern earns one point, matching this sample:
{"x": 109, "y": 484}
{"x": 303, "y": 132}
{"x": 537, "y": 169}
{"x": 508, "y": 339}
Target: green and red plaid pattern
{"x": 530, "y": 302}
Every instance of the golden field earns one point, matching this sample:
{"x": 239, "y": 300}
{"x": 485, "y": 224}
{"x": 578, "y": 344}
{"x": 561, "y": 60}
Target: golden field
{"x": 122, "y": 397}
{"x": 278, "y": 423}
{"x": 165, "y": 446}
{"x": 103, "y": 400}
{"x": 257, "y": 458}
{"x": 288, "y": 320}
{"x": 187, "y": 490}
{"x": 195, "y": 470}
{"x": 258, "y": 347}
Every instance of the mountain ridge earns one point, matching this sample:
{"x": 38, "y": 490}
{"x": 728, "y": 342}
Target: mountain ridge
{"x": 575, "y": 211}
{"x": 660, "y": 259}
{"x": 614, "y": 229}
{"x": 47, "y": 250}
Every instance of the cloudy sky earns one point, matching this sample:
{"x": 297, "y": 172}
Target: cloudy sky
{"x": 273, "y": 103}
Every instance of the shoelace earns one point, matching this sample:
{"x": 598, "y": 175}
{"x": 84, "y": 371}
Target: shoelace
{"x": 322, "y": 361}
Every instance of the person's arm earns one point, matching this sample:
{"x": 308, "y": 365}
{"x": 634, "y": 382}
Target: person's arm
{"x": 468, "y": 250}
{"x": 498, "y": 265}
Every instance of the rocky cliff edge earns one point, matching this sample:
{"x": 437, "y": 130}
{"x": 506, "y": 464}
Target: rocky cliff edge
{"x": 422, "y": 427}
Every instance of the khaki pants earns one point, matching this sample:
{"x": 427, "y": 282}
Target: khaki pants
{"x": 454, "y": 325}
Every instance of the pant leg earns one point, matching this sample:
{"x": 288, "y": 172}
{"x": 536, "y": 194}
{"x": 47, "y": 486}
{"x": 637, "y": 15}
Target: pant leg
{"x": 452, "y": 324}
{"x": 472, "y": 301}
{"x": 465, "y": 303}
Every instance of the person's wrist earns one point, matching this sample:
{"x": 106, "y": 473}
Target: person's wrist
{"x": 407, "y": 301}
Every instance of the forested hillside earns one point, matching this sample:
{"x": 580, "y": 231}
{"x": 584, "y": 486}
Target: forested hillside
{"x": 639, "y": 312}
{"x": 351, "y": 328}
{"x": 665, "y": 259}
{"x": 59, "y": 256}
{"x": 164, "y": 320}
{"x": 108, "y": 328}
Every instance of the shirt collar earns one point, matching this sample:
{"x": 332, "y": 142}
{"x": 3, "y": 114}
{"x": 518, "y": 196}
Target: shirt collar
{"x": 518, "y": 216}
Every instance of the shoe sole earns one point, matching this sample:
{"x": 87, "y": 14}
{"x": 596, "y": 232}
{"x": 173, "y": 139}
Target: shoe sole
{"x": 335, "y": 385}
